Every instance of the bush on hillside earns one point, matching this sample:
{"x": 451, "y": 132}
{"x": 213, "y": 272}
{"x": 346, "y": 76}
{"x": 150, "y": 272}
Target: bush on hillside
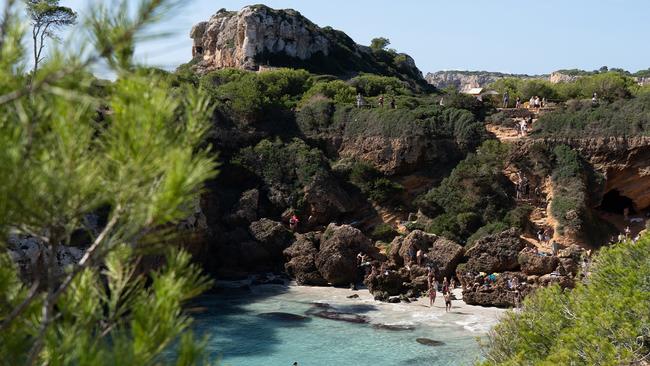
{"x": 372, "y": 182}
{"x": 475, "y": 194}
{"x": 284, "y": 167}
{"x": 337, "y": 90}
{"x": 250, "y": 96}
{"x": 601, "y": 322}
{"x": 627, "y": 117}
{"x": 370, "y": 85}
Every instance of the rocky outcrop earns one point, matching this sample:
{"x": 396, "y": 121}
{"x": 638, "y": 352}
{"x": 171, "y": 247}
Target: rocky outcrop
{"x": 239, "y": 39}
{"x": 444, "y": 256}
{"x": 535, "y": 264}
{"x": 394, "y": 155}
{"x": 257, "y": 37}
{"x": 417, "y": 239}
{"x": 336, "y": 260}
{"x": 465, "y": 80}
{"x": 326, "y": 200}
{"x": 301, "y": 263}
{"x": 495, "y": 253}
{"x": 272, "y": 236}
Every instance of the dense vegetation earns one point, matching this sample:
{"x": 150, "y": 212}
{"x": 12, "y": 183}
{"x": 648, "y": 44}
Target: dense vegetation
{"x": 624, "y": 117}
{"x": 285, "y": 167}
{"x": 609, "y": 86}
{"x": 475, "y": 199}
{"x": 603, "y": 321}
{"x": 132, "y": 153}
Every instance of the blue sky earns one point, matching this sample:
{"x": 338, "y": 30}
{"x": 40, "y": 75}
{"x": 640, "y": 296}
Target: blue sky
{"x": 496, "y": 35}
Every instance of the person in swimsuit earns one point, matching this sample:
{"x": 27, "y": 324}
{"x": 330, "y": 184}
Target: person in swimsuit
{"x": 447, "y": 301}
{"x": 432, "y": 296}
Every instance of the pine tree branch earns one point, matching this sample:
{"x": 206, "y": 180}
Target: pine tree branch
{"x": 83, "y": 263}
{"x": 33, "y": 293}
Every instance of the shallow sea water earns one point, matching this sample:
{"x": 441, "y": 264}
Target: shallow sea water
{"x": 240, "y": 336}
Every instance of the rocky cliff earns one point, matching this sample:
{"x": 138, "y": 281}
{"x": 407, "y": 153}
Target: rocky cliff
{"x": 465, "y": 80}
{"x": 257, "y": 37}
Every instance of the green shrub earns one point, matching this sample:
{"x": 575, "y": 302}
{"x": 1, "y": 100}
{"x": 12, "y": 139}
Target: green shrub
{"x": 315, "y": 116}
{"x": 580, "y": 119}
{"x": 601, "y": 322}
{"x": 250, "y": 96}
{"x": 372, "y": 183}
{"x": 477, "y": 186}
{"x": 489, "y": 229}
{"x": 383, "y": 232}
{"x": 337, "y": 90}
{"x": 373, "y": 85}
{"x": 286, "y": 167}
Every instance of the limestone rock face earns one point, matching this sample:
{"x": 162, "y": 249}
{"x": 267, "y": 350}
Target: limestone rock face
{"x": 495, "y": 253}
{"x": 258, "y": 37}
{"x": 237, "y": 40}
{"x": 465, "y": 80}
{"x": 339, "y": 246}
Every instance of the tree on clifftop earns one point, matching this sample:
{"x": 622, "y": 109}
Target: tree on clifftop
{"x": 47, "y": 17}
{"x": 380, "y": 43}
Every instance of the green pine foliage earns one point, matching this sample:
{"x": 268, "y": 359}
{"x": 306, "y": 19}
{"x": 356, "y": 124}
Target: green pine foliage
{"x": 73, "y": 146}
{"x": 603, "y": 321}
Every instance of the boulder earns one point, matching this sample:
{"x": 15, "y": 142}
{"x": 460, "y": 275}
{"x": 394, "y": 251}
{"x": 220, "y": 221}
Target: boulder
{"x": 573, "y": 251}
{"x": 389, "y": 283}
{"x": 301, "y": 256}
{"x": 534, "y": 264}
{"x": 444, "y": 256}
{"x": 336, "y": 260}
{"x": 493, "y": 296}
{"x": 273, "y": 236}
{"x": 245, "y": 210}
{"x": 417, "y": 239}
{"x": 495, "y": 253}
{"x": 326, "y": 200}
{"x": 568, "y": 266}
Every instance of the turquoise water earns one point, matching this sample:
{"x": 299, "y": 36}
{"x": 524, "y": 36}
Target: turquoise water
{"x": 240, "y": 336}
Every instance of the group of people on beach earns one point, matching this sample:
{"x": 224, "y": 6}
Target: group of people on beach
{"x": 446, "y": 289}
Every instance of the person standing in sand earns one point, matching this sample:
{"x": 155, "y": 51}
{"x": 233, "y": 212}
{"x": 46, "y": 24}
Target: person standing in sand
{"x": 447, "y": 302}
{"x": 432, "y": 296}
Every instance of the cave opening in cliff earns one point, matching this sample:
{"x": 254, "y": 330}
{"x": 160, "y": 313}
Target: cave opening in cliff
{"x": 615, "y": 202}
